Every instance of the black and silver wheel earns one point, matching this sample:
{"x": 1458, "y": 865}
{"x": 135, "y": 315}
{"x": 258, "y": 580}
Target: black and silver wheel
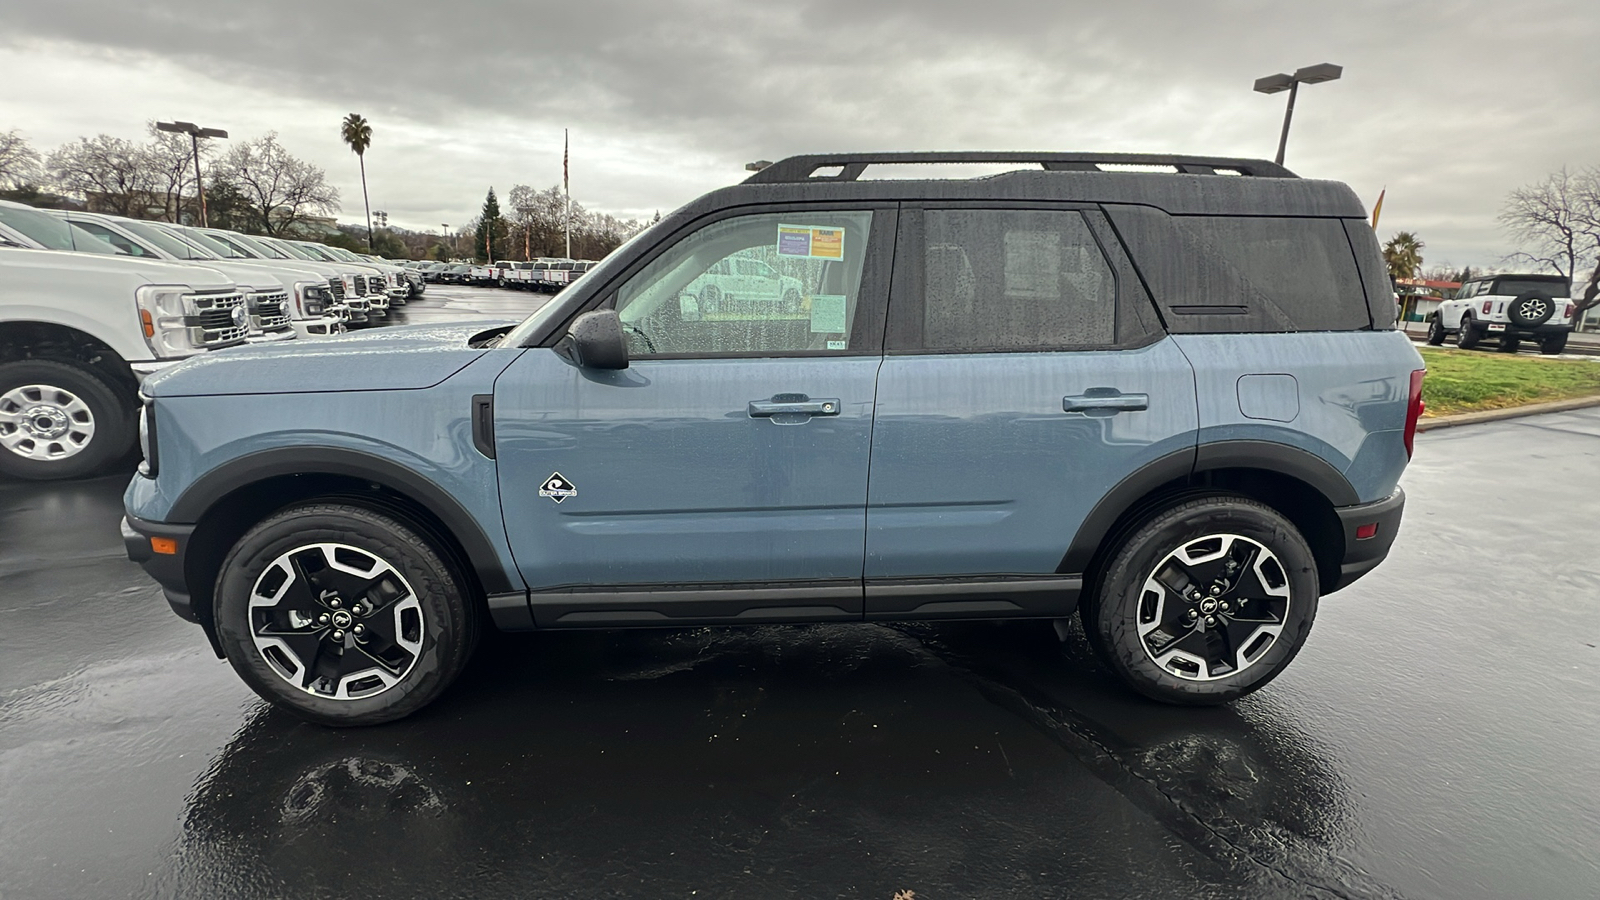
{"x": 343, "y": 615}
{"x": 60, "y": 420}
{"x": 1469, "y": 336}
{"x": 1435, "y": 332}
{"x": 1531, "y": 309}
{"x": 1206, "y": 602}
{"x": 1554, "y": 344}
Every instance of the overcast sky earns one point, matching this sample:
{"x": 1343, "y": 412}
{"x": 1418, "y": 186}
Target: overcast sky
{"x": 1448, "y": 104}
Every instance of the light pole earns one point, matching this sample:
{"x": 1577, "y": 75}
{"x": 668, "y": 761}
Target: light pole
{"x": 195, "y": 133}
{"x": 1272, "y": 84}
{"x": 445, "y": 228}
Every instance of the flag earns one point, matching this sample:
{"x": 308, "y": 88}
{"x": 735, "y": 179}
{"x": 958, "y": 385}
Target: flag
{"x": 1377, "y": 208}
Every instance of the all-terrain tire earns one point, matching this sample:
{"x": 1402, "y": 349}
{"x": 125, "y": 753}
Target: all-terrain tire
{"x": 99, "y": 418}
{"x": 1469, "y": 336}
{"x": 1554, "y": 344}
{"x": 441, "y": 625}
{"x": 1531, "y": 309}
{"x": 1435, "y": 332}
{"x": 1123, "y": 601}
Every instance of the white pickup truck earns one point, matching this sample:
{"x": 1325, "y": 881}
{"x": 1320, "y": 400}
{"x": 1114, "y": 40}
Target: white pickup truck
{"x": 79, "y": 331}
{"x": 284, "y": 300}
{"x": 1508, "y": 308}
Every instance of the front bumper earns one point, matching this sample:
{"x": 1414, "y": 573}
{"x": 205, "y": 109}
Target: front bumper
{"x": 326, "y": 326}
{"x": 165, "y": 568}
{"x": 143, "y": 370}
{"x": 1363, "y": 554}
{"x": 268, "y": 337}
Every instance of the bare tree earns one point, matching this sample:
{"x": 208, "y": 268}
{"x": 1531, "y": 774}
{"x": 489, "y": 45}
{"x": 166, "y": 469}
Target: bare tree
{"x": 283, "y": 190}
{"x": 109, "y": 173}
{"x": 1557, "y": 224}
{"x": 19, "y": 162}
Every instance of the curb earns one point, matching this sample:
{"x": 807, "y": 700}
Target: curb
{"x": 1515, "y": 412}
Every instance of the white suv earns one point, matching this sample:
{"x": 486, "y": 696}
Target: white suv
{"x": 1509, "y": 307}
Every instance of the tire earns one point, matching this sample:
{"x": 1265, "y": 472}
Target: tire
{"x": 791, "y": 301}
{"x": 1510, "y": 343}
{"x": 83, "y": 423}
{"x": 1469, "y": 336}
{"x": 1530, "y": 309}
{"x": 1554, "y": 344}
{"x": 417, "y": 651}
{"x": 1435, "y": 332}
{"x": 1200, "y": 537}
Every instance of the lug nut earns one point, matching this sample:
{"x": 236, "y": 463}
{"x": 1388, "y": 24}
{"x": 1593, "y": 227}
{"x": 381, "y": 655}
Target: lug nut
{"x": 359, "y": 629}
{"x": 1216, "y": 589}
{"x": 1190, "y": 614}
{"x": 338, "y": 635}
{"x": 323, "y": 618}
{"x": 1210, "y": 620}
{"x": 334, "y": 603}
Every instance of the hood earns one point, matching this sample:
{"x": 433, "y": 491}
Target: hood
{"x": 199, "y": 277}
{"x": 388, "y": 359}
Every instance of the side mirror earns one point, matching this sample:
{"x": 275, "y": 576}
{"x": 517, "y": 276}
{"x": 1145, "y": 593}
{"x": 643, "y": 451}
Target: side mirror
{"x": 597, "y": 341}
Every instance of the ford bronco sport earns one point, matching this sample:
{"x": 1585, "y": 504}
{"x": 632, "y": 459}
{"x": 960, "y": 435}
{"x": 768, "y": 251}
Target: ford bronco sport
{"x": 1162, "y": 393}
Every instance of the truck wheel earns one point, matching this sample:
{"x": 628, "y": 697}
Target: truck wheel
{"x": 1510, "y": 343}
{"x": 343, "y": 615}
{"x": 1556, "y": 343}
{"x": 61, "y": 419}
{"x": 1469, "y": 336}
{"x": 1435, "y": 332}
{"x": 1204, "y": 603}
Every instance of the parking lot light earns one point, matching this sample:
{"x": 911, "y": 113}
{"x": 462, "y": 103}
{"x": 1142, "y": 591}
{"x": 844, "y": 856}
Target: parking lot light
{"x": 195, "y": 133}
{"x": 1282, "y": 81}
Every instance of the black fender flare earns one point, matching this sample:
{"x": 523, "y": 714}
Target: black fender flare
{"x": 208, "y": 489}
{"x": 1181, "y": 467}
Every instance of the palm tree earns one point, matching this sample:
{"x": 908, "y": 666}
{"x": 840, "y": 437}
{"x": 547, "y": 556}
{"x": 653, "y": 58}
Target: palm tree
{"x": 1403, "y": 255}
{"x": 358, "y": 135}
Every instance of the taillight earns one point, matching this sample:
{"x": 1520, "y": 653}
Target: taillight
{"x": 1486, "y": 305}
{"x": 1569, "y": 310}
{"x": 1414, "y": 409}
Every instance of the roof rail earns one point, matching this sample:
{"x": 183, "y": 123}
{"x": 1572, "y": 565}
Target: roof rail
{"x": 851, "y": 165}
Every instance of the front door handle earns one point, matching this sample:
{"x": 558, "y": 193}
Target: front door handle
{"x": 793, "y": 405}
{"x": 1109, "y": 400}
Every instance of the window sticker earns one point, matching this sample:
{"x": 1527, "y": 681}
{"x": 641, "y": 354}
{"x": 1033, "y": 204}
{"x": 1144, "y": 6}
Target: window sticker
{"x": 811, "y": 241}
{"x": 837, "y": 345}
{"x": 827, "y": 314}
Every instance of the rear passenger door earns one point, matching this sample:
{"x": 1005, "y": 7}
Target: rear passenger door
{"x": 1025, "y": 375}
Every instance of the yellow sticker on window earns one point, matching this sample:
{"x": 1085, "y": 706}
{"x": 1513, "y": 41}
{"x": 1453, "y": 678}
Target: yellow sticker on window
{"x": 811, "y": 241}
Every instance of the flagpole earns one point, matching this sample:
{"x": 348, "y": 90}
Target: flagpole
{"x": 566, "y": 183}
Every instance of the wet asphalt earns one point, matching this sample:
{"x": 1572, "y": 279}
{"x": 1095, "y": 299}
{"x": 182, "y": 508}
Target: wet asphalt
{"x": 1438, "y": 737}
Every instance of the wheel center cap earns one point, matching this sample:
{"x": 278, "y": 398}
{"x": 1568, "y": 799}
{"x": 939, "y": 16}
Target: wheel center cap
{"x": 45, "y": 422}
{"x": 341, "y": 619}
{"x": 1208, "y": 606}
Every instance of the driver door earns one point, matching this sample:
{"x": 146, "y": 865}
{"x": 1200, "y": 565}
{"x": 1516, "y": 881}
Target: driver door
{"x": 722, "y": 476}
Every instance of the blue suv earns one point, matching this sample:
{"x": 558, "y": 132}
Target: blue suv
{"x": 1162, "y": 393}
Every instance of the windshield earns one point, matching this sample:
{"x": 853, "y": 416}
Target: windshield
{"x": 312, "y": 251}
{"x": 155, "y": 234}
{"x": 54, "y": 233}
{"x": 338, "y": 253}
{"x": 220, "y": 245}
{"x": 267, "y": 246}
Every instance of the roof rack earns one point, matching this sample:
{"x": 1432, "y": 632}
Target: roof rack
{"x": 851, "y": 165}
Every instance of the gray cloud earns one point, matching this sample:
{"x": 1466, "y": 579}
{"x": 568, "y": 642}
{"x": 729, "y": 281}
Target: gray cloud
{"x": 1449, "y": 105}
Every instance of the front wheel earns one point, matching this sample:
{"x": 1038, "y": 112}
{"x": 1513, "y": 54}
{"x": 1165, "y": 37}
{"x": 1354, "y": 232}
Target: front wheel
{"x": 1206, "y": 602}
{"x": 61, "y": 419}
{"x": 343, "y": 615}
{"x": 1435, "y": 332}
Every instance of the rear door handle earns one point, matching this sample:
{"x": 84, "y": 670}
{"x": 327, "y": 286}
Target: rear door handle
{"x": 793, "y": 405}
{"x": 1107, "y": 399}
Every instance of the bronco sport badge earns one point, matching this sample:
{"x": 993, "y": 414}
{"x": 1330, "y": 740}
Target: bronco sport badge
{"x": 558, "y": 488}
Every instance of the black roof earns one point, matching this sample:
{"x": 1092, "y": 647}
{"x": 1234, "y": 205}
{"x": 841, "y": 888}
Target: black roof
{"x": 1193, "y": 185}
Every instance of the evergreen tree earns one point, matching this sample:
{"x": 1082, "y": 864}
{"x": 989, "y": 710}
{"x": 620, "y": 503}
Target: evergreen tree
{"x": 493, "y": 231}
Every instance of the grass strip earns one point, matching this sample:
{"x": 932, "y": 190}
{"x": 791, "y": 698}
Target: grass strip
{"x": 1465, "y": 380}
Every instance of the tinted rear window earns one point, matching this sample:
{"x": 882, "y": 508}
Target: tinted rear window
{"x": 1511, "y": 287}
{"x": 1303, "y": 267}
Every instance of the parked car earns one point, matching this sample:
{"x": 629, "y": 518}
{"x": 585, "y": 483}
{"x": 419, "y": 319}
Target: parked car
{"x": 349, "y": 302}
{"x": 742, "y": 287}
{"x": 80, "y": 330}
{"x": 459, "y": 273}
{"x": 1173, "y": 405}
{"x": 277, "y": 295}
{"x": 365, "y": 282}
{"x": 431, "y": 271}
{"x": 1508, "y": 307}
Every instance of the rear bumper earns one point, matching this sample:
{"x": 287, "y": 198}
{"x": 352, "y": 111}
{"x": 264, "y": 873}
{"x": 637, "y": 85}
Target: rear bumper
{"x": 1363, "y": 554}
{"x": 1536, "y": 331}
{"x": 165, "y": 568}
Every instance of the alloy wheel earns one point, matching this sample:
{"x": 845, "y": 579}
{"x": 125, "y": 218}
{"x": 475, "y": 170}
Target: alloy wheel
{"x": 336, "y": 621}
{"x": 1213, "y": 607}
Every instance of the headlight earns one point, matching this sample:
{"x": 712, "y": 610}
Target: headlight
{"x": 312, "y": 298}
{"x": 162, "y": 308}
{"x": 147, "y": 436}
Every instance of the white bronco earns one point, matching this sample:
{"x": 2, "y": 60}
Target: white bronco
{"x": 1507, "y": 307}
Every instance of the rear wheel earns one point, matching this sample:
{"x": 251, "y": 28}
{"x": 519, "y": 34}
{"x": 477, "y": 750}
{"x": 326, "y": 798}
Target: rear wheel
{"x": 1469, "y": 336}
{"x": 1510, "y": 343}
{"x": 61, "y": 419}
{"x": 1206, "y": 602}
{"x": 1556, "y": 343}
{"x": 343, "y": 615}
